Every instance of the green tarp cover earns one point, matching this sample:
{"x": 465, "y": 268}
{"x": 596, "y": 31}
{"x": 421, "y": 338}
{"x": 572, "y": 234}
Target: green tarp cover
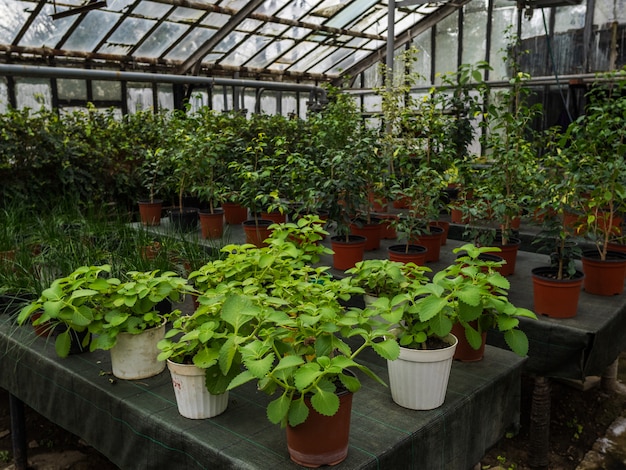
{"x": 137, "y": 425}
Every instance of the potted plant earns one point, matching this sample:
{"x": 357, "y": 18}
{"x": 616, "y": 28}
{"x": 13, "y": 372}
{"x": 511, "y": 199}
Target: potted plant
{"x": 67, "y": 307}
{"x": 556, "y": 287}
{"x": 195, "y": 350}
{"x": 183, "y": 167}
{"x": 153, "y": 177}
{"x": 299, "y": 341}
{"x": 385, "y": 278}
{"x": 213, "y": 140}
{"x": 115, "y": 314}
{"x": 464, "y": 293}
{"x": 596, "y": 141}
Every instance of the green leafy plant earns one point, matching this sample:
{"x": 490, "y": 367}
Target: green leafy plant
{"x": 385, "y": 278}
{"x": 284, "y": 320}
{"x": 466, "y": 291}
{"x": 596, "y": 143}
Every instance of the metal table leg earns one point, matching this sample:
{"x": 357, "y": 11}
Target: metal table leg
{"x": 18, "y": 432}
{"x": 539, "y": 441}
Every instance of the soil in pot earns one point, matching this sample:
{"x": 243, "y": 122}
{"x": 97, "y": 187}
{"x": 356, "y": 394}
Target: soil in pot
{"x": 604, "y": 277}
{"x": 556, "y": 298}
{"x": 412, "y": 254}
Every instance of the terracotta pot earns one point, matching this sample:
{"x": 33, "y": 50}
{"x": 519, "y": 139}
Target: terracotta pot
{"x": 275, "y": 217}
{"x": 387, "y": 230}
{"x": 445, "y": 225}
{"x": 234, "y": 214}
{"x": 604, "y": 277}
{"x": 212, "y": 223}
{"x": 150, "y": 212}
{"x": 347, "y": 253}
{"x": 402, "y": 202}
{"x": 185, "y": 219}
{"x": 416, "y": 254}
{"x": 371, "y": 232}
{"x": 456, "y": 217}
{"x": 508, "y": 253}
{"x": 257, "y": 231}
{"x": 377, "y": 203}
{"x": 321, "y": 440}
{"x": 619, "y": 247}
{"x": 464, "y": 351}
{"x": 431, "y": 241}
{"x": 556, "y": 298}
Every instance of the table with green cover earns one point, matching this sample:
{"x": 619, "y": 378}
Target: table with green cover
{"x": 136, "y": 423}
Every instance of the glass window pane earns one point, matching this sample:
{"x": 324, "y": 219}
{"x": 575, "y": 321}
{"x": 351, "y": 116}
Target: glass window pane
{"x": 265, "y": 57}
{"x": 446, "y": 44}
{"x": 91, "y": 30}
{"x": 503, "y": 18}
{"x": 72, "y": 89}
{"x": 535, "y": 26}
{"x": 199, "y": 99}
{"x": 165, "y": 96}
{"x": 46, "y": 32}
{"x": 569, "y": 18}
{"x": 229, "y": 42}
{"x": 33, "y": 93}
{"x": 4, "y": 96}
{"x": 152, "y": 10}
{"x": 350, "y": 13}
{"x": 185, "y": 15}
{"x": 190, "y": 43}
{"x": 12, "y": 16}
{"x": 271, "y": 7}
{"x": 127, "y": 35}
{"x": 249, "y": 25}
{"x": 423, "y": 66}
{"x": 215, "y": 20}
{"x": 246, "y": 49}
{"x": 474, "y": 35}
{"x": 268, "y": 102}
{"x": 106, "y": 90}
{"x": 139, "y": 97}
{"x": 161, "y": 39}
{"x": 310, "y": 57}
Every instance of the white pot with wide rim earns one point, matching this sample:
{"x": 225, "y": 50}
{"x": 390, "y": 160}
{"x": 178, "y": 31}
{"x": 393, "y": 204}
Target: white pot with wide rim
{"x": 193, "y": 399}
{"x": 418, "y": 379}
{"x": 134, "y": 356}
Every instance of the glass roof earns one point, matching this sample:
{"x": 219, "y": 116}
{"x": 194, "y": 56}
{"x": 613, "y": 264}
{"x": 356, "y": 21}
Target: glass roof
{"x": 314, "y": 39}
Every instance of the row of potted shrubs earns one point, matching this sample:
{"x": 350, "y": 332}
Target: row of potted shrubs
{"x": 274, "y": 316}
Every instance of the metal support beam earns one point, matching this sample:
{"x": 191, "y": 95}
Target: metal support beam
{"x": 18, "y": 433}
{"x": 66, "y": 72}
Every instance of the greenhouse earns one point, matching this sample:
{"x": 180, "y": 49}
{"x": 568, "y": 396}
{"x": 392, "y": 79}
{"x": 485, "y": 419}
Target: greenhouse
{"x": 233, "y": 233}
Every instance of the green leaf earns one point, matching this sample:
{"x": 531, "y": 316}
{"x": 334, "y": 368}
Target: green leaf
{"x": 63, "y": 343}
{"x": 517, "y": 341}
{"x": 431, "y": 306}
{"x": 306, "y": 375}
{"x": 470, "y": 295}
{"x": 242, "y": 378}
{"x": 298, "y": 412}
{"x": 325, "y": 402}
{"x": 469, "y": 312}
{"x": 205, "y": 357}
{"x": 474, "y": 338}
{"x": 260, "y": 367}
{"x": 216, "y": 382}
{"x": 278, "y": 409}
{"x": 388, "y": 349}
{"x": 288, "y": 362}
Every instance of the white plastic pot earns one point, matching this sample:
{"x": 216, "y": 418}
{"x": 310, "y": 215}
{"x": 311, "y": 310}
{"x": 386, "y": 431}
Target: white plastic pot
{"x": 418, "y": 379}
{"x": 135, "y": 356}
{"x": 192, "y": 397}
